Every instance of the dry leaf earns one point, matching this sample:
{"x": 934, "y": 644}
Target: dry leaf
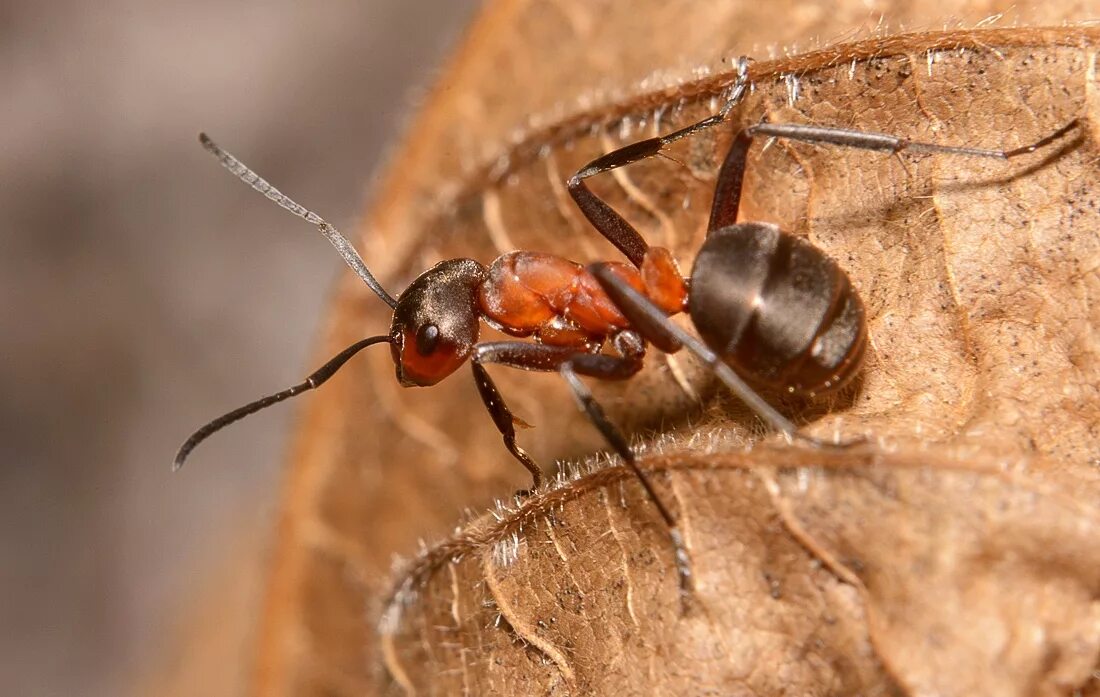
{"x": 947, "y": 579}
{"x": 816, "y": 574}
{"x": 978, "y": 278}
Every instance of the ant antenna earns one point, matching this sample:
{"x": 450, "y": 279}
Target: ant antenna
{"x": 315, "y": 380}
{"x": 342, "y": 244}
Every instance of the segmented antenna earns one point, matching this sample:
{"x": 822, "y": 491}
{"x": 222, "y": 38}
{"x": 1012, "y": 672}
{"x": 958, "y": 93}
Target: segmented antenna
{"x": 342, "y": 244}
{"x": 315, "y": 380}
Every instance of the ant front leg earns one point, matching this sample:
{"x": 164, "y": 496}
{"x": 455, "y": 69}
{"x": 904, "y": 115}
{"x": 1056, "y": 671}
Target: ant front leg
{"x": 540, "y": 357}
{"x": 606, "y": 219}
{"x": 505, "y": 421}
{"x": 570, "y": 362}
{"x": 544, "y": 358}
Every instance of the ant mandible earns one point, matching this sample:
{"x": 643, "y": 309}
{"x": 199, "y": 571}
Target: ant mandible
{"x": 769, "y": 307}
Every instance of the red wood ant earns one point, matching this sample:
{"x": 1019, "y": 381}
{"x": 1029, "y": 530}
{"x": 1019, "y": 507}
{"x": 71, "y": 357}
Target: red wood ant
{"x": 769, "y": 307}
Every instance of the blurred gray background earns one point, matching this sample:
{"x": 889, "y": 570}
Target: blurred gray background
{"x": 145, "y": 291}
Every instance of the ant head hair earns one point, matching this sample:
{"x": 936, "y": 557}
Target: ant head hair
{"x": 342, "y": 244}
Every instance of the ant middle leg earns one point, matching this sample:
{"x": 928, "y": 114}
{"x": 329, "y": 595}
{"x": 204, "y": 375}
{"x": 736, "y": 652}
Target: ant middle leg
{"x": 606, "y": 219}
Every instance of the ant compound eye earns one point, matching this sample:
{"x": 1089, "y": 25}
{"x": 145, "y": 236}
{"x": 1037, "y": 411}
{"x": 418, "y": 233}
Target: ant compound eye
{"x": 427, "y": 356}
{"x": 427, "y": 338}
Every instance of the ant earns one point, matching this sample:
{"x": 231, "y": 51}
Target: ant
{"x": 769, "y": 307}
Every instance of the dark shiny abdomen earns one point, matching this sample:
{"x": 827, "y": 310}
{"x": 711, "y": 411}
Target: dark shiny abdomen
{"x": 781, "y": 312}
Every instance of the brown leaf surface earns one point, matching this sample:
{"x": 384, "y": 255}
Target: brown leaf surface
{"x": 817, "y": 574}
{"x": 922, "y": 570}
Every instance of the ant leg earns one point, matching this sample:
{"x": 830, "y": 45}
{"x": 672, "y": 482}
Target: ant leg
{"x": 315, "y": 379}
{"x": 727, "y": 190}
{"x": 540, "y": 357}
{"x": 505, "y": 421}
{"x": 869, "y": 140}
{"x": 570, "y": 362}
{"x": 621, "y": 446}
{"x": 656, "y": 328}
{"x": 606, "y": 219}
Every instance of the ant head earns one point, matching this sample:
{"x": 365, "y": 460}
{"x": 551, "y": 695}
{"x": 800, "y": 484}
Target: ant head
{"x": 435, "y": 322}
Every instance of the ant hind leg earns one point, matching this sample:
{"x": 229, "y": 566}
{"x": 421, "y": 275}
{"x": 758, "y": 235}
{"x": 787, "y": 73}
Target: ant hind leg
{"x": 884, "y": 142}
{"x": 727, "y": 189}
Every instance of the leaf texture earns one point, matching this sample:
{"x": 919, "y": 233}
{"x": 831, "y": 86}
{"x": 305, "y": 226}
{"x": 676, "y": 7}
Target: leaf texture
{"x": 951, "y": 557}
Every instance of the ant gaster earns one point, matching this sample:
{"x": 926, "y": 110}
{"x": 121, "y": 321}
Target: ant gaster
{"x": 770, "y": 307}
